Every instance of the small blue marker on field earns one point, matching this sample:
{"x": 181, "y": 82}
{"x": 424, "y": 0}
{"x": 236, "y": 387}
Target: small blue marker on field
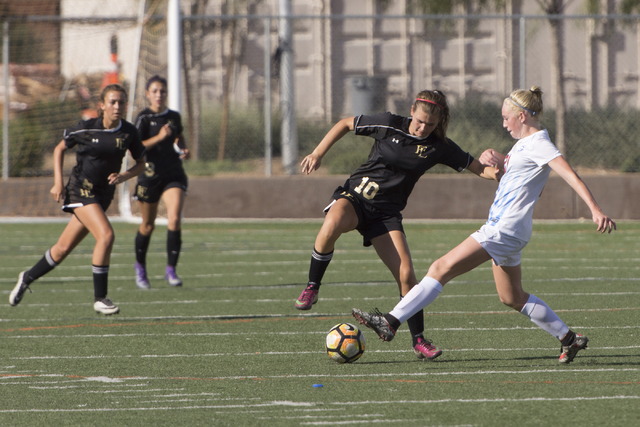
{"x": 317, "y": 385}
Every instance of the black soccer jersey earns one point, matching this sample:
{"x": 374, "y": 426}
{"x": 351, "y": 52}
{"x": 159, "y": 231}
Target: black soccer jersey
{"x": 397, "y": 160}
{"x": 162, "y": 156}
{"x": 100, "y": 151}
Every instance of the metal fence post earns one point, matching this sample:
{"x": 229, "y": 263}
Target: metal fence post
{"x": 267, "y": 96}
{"x": 523, "y": 53}
{"x": 289, "y": 137}
{"x": 7, "y": 100}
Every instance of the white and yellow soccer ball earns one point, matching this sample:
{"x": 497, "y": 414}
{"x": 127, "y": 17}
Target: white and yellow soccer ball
{"x": 345, "y": 343}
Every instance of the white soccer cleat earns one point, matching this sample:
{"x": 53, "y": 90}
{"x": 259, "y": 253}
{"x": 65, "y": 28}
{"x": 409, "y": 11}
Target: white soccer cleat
{"x": 106, "y": 307}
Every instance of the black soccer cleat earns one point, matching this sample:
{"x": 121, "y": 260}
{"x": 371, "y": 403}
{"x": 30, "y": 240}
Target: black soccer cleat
{"x": 376, "y": 321}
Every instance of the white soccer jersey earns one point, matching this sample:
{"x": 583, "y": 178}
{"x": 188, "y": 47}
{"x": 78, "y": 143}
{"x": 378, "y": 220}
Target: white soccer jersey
{"x": 526, "y": 173}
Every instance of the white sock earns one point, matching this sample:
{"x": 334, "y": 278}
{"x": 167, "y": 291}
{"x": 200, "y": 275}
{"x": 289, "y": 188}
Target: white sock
{"x": 540, "y": 314}
{"x": 420, "y": 296}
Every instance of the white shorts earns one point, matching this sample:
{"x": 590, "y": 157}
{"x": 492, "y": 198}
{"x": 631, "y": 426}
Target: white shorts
{"x": 504, "y": 250}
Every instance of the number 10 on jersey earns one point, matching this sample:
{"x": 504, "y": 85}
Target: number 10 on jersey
{"x": 367, "y": 188}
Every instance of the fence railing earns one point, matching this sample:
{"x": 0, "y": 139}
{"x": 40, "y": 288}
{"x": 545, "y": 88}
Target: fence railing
{"x": 53, "y": 68}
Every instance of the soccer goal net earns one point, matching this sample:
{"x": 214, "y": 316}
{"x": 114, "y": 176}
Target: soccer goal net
{"x": 54, "y": 66}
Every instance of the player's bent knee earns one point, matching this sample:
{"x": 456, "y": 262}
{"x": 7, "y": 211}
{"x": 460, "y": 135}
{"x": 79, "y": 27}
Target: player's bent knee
{"x": 439, "y": 269}
{"x": 147, "y": 229}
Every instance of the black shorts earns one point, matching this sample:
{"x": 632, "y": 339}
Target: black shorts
{"x": 150, "y": 188}
{"x": 371, "y": 222}
{"x": 82, "y": 194}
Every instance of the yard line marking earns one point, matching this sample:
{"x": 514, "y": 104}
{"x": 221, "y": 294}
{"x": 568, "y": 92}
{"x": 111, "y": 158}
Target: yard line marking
{"x": 223, "y": 318}
{"x": 285, "y": 353}
{"x": 524, "y": 399}
{"x": 222, "y": 334}
{"x": 382, "y": 298}
{"x": 314, "y": 404}
{"x": 341, "y": 423}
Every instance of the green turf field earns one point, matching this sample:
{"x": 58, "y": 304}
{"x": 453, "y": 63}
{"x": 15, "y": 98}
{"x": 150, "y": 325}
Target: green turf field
{"x": 229, "y": 349}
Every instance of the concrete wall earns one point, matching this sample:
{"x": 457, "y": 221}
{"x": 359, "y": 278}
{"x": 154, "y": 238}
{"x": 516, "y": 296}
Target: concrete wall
{"x": 462, "y": 196}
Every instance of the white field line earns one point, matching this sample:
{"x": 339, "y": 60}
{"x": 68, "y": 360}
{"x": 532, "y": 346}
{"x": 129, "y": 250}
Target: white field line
{"x": 351, "y": 404}
{"x": 230, "y": 317}
{"x": 125, "y": 251}
{"x": 381, "y": 271}
{"x": 383, "y": 298}
{"x": 293, "y": 353}
{"x": 391, "y": 376}
{"x": 248, "y": 333}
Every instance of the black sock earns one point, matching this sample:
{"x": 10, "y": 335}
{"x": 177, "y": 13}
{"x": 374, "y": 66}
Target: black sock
{"x": 416, "y": 326}
{"x": 42, "y": 267}
{"x": 174, "y": 242}
{"x": 393, "y": 322}
{"x": 319, "y": 264}
{"x": 142, "y": 244}
{"x": 568, "y": 339}
{"x": 100, "y": 281}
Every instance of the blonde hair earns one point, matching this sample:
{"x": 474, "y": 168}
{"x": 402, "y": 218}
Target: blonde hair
{"x": 528, "y": 101}
{"x": 435, "y": 102}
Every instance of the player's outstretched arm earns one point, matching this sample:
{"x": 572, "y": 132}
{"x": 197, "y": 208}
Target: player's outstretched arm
{"x": 491, "y": 157}
{"x": 314, "y": 160}
{"x": 485, "y": 171}
{"x": 562, "y": 168}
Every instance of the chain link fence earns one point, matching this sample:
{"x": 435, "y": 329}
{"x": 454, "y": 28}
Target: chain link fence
{"x": 53, "y": 69}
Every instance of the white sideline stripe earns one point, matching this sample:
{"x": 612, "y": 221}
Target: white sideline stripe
{"x": 286, "y": 353}
{"x": 314, "y": 404}
{"x": 222, "y": 334}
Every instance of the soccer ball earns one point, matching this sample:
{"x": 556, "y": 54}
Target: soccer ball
{"x": 345, "y": 343}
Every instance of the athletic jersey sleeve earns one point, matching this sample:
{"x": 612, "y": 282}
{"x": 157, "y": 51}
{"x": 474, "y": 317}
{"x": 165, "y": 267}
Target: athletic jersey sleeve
{"x": 178, "y": 125}
{"x": 136, "y": 148}
{"x": 455, "y": 157}
{"x": 142, "y": 123}
{"x": 378, "y": 125}
{"x": 70, "y": 135}
{"x": 541, "y": 150}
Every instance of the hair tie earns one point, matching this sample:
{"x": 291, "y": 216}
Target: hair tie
{"x": 430, "y": 102}
{"x": 533, "y": 113}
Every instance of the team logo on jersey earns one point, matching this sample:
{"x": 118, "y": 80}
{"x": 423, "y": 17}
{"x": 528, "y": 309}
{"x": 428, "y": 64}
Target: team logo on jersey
{"x": 86, "y": 190}
{"x": 153, "y": 123}
{"x": 95, "y": 140}
{"x": 423, "y": 151}
{"x": 141, "y": 192}
{"x": 397, "y": 141}
{"x": 347, "y": 195}
{"x": 149, "y": 169}
{"x": 120, "y": 143}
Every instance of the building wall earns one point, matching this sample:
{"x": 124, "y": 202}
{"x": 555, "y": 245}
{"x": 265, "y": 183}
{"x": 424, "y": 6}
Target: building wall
{"x": 480, "y": 62}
